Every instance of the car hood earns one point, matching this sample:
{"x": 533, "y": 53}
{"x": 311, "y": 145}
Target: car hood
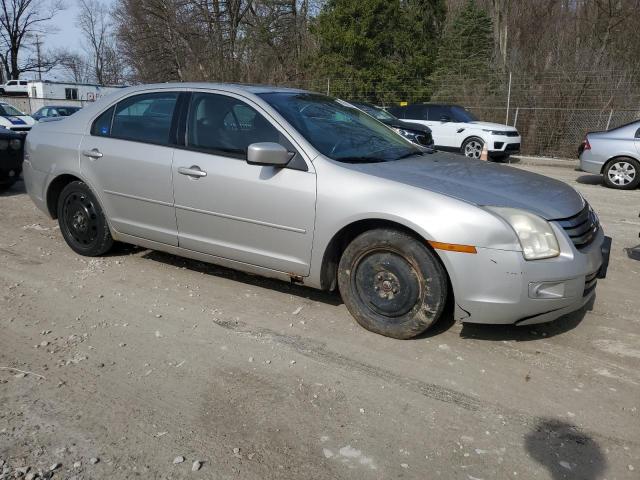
{"x": 495, "y": 126}
{"x": 481, "y": 183}
{"x": 407, "y": 125}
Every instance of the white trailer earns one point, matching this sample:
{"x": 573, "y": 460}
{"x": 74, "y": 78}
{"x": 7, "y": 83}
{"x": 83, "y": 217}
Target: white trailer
{"x": 83, "y": 92}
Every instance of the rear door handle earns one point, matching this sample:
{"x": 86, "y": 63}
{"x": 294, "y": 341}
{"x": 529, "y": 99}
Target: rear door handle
{"x": 93, "y": 153}
{"x": 193, "y": 171}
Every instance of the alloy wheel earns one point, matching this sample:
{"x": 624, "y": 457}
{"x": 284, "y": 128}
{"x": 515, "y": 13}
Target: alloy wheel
{"x": 621, "y": 173}
{"x": 473, "y": 149}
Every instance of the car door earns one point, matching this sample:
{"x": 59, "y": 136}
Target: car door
{"x": 259, "y": 215}
{"x": 442, "y": 121}
{"x": 127, "y": 158}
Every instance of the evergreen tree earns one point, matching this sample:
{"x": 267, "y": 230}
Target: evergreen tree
{"x": 377, "y": 49}
{"x": 465, "y": 52}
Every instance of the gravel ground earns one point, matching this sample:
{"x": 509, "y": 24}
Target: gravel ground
{"x": 141, "y": 364}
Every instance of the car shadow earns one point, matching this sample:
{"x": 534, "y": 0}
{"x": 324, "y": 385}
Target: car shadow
{"x": 526, "y": 333}
{"x": 590, "y": 180}
{"x": 331, "y": 298}
{"x": 17, "y": 188}
{"x": 565, "y": 451}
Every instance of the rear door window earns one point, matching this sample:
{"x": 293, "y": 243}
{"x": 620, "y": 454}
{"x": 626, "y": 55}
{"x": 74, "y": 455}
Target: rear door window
{"x": 145, "y": 118}
{"x": 102, "y": 125}
{"x": 417, "y": 112}
{"x": 436, "y": 112}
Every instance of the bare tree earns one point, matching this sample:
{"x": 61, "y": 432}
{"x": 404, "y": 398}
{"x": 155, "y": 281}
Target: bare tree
{"x": 74, "y": 66}
{"x": 20, "y": 21}
{"x": 94, "y": 20}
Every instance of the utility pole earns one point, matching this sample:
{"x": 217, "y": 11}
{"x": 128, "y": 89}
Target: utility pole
{"x": 38, "y": 54}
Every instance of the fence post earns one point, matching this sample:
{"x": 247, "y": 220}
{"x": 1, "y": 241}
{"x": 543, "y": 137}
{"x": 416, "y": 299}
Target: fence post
{"x": 609, "y": 120}
{"x": 328, "y": 86}
{"x": 506, "y": 122}
{"x": 515, "y": 119}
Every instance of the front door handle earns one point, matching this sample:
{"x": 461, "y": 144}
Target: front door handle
{"x": 93, "y": 153}
{"x": 193, "y": 171}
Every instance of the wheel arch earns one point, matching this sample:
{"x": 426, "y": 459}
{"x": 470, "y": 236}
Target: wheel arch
{"x": 617, "y": 157}
{"x": 338, "y": 243}
{"x": 54, "y": 189}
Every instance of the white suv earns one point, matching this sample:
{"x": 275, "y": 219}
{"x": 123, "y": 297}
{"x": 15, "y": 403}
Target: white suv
{"x": 15, "y": 87}
{"x": 456, "y": 129}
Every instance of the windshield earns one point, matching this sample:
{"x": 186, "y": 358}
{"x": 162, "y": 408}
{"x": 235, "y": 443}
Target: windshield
{"x": 339, "y": 130}
{"x": 8, "y": 110}
{"x": 461, "y": 114}
{"x": 375, "y": 112}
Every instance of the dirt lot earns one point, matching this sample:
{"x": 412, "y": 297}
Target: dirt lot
{"x": 141, "y": 357}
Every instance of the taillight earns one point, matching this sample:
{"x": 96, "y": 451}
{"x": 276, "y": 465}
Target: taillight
{"x": 586, "y": 144}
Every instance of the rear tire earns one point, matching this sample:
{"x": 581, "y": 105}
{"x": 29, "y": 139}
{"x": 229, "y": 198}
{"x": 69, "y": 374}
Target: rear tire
{"x": 622, "y": 173}
{"x": 391, "y": 283}
{"x": 82, "y": 221}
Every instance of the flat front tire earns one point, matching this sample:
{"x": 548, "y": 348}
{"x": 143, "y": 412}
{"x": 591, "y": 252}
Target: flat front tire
{"x": 82, "y": 222}
{"x": 392, "y": 283}
{"x": 622, "y": 174}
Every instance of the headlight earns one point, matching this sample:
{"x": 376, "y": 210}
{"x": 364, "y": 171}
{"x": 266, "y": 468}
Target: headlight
{"x": 3, "y": 144}
{"x": 408, "y": 134}
{"x": 535, "y": 233}
{"x": 15, "y": 143}
{"x": 495, "y": 132}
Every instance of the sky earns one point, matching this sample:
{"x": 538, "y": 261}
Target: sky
{"x": 67, "y": 36}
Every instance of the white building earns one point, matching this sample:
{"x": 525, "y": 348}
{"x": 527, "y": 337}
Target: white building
{"x": 83, "y": 92}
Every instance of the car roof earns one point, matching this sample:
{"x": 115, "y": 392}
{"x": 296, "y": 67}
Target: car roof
{"x": 60, "y": 106}
{"x": 232, "y": 87}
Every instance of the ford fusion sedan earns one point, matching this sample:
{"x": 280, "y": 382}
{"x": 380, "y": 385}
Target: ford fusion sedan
{"x": 14, "y": 119}
{"x": 456, "y": 129}
{"x": 614, "y": 154}
{"x": 306, "y": 188}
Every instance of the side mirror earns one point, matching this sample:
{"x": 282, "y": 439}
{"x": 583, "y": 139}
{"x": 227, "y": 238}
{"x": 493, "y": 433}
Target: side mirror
{"x": 445, "y": 118}
{"x": 638, "y": 133}
{"x": 268, "y": 153}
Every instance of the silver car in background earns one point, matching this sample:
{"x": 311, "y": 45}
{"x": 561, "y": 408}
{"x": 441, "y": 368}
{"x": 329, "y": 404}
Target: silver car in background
{"x": 614, "y": 154}
{"x": 306, "y": 188}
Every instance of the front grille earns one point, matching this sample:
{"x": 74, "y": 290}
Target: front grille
{"x": 512, "y": 134}
{"x": 582, "y": 228}
{"x": 590, "y": 282}
{"x": 512, "y": 147}
{"x": 21, "y": 129}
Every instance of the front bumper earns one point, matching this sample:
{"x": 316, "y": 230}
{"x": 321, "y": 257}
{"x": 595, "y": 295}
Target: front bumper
{"x": 501, "y": 287}
{"x": 502, "y": 145}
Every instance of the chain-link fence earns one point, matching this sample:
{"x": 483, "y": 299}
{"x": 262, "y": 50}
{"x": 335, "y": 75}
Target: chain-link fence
{"x": 552, "y": 110}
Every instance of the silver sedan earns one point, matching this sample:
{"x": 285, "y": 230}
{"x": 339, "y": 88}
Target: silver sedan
{"x": 615, "y": 154}
{"x": 306, "y": 188}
